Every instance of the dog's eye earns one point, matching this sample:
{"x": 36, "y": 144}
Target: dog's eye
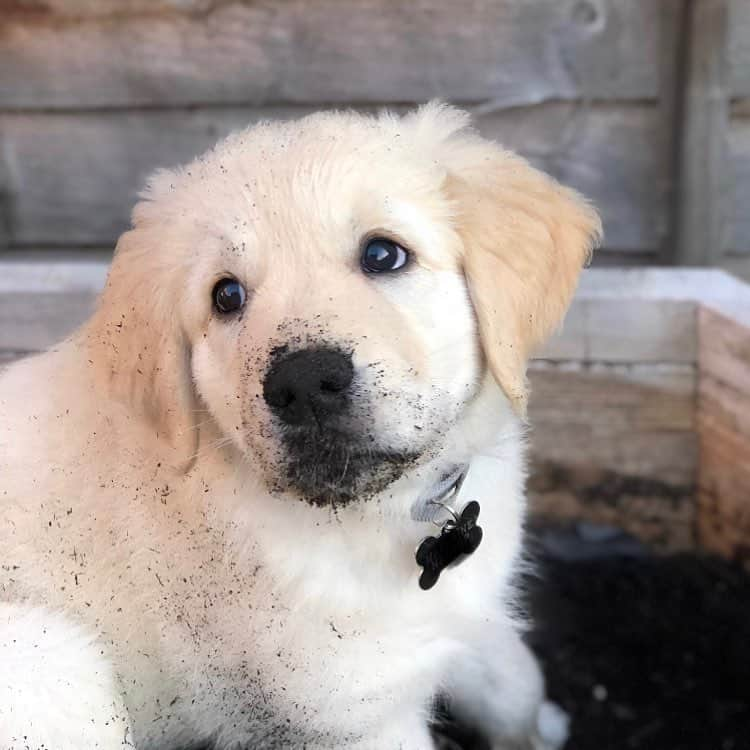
{"x": 228, "y": 296}
{"x": 381, "y": 255}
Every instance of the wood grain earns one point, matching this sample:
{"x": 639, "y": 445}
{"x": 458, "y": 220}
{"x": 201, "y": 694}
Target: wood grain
{"x": 46, "y": 10}
{"x": 736, "y": 238}
{"x": 51, "y": 318}
{"x": 703, "y": 164}
{"x": 507, "y": 51}
{"x": 657, "y": 331}
{"x": 73, "y": 178}
{"x": 724, "y": 430}
{"x": 637, "y": 420}
{"x": 616, "y": 444}
{"x": 738, "y": 47}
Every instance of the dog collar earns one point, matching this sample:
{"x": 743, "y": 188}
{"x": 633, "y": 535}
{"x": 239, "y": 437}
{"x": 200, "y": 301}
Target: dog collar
{"x": 432, "y": 503}
{"x": 459, "y": 533}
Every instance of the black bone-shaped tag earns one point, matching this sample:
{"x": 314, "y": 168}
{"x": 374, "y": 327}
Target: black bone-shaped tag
{"x": 457, "y": 540}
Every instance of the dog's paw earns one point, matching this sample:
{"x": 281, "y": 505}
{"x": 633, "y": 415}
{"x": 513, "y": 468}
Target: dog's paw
{"x": 552, "y": 727}
{"x": 551, "y": 731}
{"x": 56, "y": 689}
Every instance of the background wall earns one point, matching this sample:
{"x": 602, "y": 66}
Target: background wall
{"x": 644, "y": 105}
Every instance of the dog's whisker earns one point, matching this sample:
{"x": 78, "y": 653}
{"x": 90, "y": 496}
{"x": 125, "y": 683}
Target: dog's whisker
{"x": 346, "y": 466}
{"x": 199, "y": 425}
{"x": 214, "y": 445}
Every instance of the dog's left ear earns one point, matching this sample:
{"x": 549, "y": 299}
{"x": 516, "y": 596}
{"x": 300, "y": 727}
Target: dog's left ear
{"x": 525, "y": 240}
{"x": 137, "y": 347}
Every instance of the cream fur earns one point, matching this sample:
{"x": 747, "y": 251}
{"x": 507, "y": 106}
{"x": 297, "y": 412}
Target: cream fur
{"x": 155, "y": 578}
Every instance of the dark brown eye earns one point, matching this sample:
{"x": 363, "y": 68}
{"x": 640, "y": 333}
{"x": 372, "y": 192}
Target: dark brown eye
{"x": 383, "y": 256}
{"x": 229, "y": 296}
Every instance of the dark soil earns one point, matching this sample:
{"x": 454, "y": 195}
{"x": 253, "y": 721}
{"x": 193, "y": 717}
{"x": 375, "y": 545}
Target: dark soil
{"x": 648, "y": 653}
{"x": 643, "y": 652}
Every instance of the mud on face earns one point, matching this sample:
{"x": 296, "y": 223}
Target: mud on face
{"x": 327, "y": 425}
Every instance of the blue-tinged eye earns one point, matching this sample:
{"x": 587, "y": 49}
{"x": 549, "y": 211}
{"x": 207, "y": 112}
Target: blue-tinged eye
{"x": 229, "y": 296}
{"x": 383, "y": 256}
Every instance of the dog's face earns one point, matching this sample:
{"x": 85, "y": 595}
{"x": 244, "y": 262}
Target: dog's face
{"x": 332, "y": 291}
{"x": 350, "y": 344}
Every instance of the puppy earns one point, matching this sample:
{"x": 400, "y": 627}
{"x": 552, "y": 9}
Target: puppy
{"x": 211, "y": 495}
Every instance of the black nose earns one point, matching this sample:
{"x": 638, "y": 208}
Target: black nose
{"x": 309, "y": 386}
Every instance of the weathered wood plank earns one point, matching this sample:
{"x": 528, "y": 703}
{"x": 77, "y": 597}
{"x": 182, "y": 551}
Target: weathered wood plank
{"x": 724, "y": 430}
{"x": 673, "y": 18}
{"x": 737, "y": 233}
{"x": 633, "y": 419}
{"x": 74, "y": 177}
{"x": 509, "y": 51}
{"x": 621, "y": 330}
{"x": 702, "y": 285}
{"x": 724, "y": 354}
{"x": 609, "y": 152}
{"x": 739, "y": 47}
{"x": 736, "y": 264}
{"x": 44, "y": 273}
{"x": 6, "y": 357}
{"x": 52, "y": 317}
{"x": 616, "y": 444}
{"x": 702, "y": 161}
{"x": 736, "y": 199}
{"x": 723, "y": 509}
{"x": 5, "y": 197}
{"x": 77, "y": 9}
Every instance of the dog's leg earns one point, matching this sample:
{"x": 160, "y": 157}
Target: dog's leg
{"x": 410, "y": 734}
{"x": 499, "y": 689}
{"x": 56, "y": 690}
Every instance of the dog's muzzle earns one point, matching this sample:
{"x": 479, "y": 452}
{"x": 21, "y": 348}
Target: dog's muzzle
{"x": 329, "y": 456}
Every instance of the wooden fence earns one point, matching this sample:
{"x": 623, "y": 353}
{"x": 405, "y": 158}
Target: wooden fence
{"x": 644, "y": 105}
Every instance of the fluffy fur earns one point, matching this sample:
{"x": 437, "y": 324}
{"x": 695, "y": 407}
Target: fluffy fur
{"x": 165, "y": 576}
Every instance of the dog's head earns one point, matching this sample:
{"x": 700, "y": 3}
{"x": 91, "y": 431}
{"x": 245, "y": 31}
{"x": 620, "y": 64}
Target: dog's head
{"x": 331, "y": 291}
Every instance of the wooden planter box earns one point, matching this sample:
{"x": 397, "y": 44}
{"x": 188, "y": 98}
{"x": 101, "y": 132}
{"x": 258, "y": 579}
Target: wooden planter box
{"x": 640, "y": 409}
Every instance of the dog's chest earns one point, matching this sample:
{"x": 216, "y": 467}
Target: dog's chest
{"x": 267, "y": 672}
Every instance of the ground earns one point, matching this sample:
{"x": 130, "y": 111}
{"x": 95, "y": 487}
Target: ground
{"x": 644, "y": 652}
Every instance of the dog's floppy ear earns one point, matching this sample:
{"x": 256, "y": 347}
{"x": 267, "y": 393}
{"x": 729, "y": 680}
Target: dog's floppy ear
{"x": 137, "y": 346}
{"x": 525, "y": 239}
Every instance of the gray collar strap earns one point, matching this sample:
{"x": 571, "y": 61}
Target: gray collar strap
{"x": 431, "y": 504}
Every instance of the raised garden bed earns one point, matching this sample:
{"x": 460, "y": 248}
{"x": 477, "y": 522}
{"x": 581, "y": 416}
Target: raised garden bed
{"x": 641, "y": 411}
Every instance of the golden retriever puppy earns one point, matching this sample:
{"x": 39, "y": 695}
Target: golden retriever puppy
{"x": 308, "y": 359}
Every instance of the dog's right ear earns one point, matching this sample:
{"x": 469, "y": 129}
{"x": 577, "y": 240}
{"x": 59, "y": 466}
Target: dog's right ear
{"x": 136, "y": 343}
{"x": 525, "y": 240}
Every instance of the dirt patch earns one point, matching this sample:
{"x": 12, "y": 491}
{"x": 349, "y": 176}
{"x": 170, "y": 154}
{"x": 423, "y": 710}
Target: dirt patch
{"x": 646, "y": 652}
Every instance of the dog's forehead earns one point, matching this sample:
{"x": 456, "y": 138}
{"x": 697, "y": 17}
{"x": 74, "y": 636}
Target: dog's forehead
{"x": 329, "y": 164}
{"x": 297, "y": 188}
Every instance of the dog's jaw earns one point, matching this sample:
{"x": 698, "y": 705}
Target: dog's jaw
{"x": 330, "y": 469}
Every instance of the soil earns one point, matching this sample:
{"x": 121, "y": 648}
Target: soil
{"x": 644, "y": 652}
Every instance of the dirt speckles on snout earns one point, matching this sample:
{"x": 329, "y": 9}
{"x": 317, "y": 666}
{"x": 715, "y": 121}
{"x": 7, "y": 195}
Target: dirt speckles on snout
{"x": 357, "y": 453}
{"x": 335, "y": 470}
